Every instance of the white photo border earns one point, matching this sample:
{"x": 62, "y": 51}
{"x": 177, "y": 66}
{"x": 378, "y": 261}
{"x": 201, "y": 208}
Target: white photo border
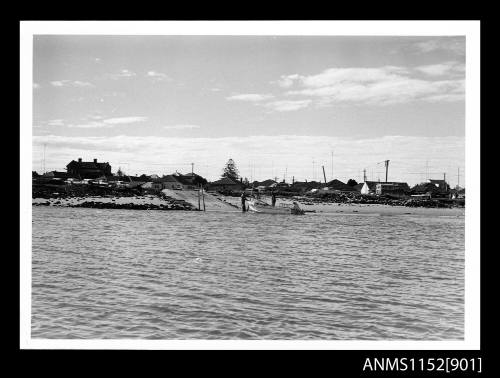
{"x": 469, "y": 29}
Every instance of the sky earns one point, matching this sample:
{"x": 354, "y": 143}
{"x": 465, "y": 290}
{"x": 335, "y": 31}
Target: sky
{"x": 279, "y": 106}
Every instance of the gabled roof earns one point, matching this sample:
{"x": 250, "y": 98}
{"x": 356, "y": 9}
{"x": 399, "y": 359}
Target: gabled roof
{"x": 308, "y": 184}
{"x": 190, "y": 179}
{"x": 358, "y": 186}
{"x": 88, "y": 165}
{"x": 169, "y": 178}
{"x": 424, "y": 188}
{"x": 339, "y": 185}
{"x": 226, "y": 181}
{"x": 372, "y": 185}
{"x": 267, "y": 182}
{"x": 394, "y": 183}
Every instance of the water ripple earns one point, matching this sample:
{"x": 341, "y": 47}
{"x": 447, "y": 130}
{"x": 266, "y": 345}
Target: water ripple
{"x": 186, "y": 275}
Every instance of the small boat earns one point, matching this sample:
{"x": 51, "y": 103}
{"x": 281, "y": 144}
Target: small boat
{"x": 258, "y": 206}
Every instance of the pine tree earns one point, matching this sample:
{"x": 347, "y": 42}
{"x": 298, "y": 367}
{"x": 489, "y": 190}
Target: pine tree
{"x": 230, "y": 170}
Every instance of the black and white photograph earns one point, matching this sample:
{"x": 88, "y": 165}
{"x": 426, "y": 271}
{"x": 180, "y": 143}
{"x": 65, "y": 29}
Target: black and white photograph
{"x": 250, "y": 184}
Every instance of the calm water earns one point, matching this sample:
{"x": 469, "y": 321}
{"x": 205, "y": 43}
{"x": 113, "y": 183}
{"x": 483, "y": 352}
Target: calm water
{"x": 188, "y": 275}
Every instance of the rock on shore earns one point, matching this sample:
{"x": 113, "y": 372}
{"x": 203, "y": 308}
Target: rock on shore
{"x": 132, "y": 203}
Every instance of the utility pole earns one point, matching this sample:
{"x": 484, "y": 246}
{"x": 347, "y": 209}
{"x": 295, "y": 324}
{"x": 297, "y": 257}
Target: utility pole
{"x": 192, "y": 168}
{"x": 386, "y": 169}
{"x": 44, "y": 145}
{"x": 332, "y": 165}
{"x": 324, "y": 175}
{"x": 364, "y": 175}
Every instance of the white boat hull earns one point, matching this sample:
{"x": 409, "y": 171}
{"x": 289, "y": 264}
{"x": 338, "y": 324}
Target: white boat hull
{"x": 258, "y": 208}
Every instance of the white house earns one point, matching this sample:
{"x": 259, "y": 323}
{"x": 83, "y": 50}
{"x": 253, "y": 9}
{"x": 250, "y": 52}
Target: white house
{"x": 369, "y": 187}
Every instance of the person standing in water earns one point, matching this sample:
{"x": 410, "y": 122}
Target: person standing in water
{"x": 273, "y": 199}
{"x": 243, "y": 199}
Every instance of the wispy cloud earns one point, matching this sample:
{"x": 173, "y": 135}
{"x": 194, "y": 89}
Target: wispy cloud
{"x": 375, "y": 86}
{"x": 288, "y": 105}
{"x": 250, "y": 97}
{"x": 71, "y": 83}
{"x": 123, "y": 73}
{"x": 441, "y": 69}
{"x": 109, "y": 122}
{"x": 180, "y": 127}
{"x": 157, "y": 76}
{"x": 286, "y": 81}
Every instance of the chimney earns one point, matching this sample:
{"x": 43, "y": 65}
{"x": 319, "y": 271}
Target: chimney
{"x": 79, "y": 160}
{"x": 95, "y": 160}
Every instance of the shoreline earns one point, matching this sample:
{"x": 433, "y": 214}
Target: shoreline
{"x": 156, "y": 202}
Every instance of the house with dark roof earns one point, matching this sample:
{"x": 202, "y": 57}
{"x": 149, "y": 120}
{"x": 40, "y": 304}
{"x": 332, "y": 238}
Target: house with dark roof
{"x": 190, "y": 180}
{"x": 88, "y": 169}
{"x": 358, "y": 187}
{"x": 226, "y": 183}
{"x": 442, "y": 185}
{"x": 398, "y": 189}
{"x": 339, "y": 186}
{"x": 428, "y": 189}
{"x": 305, "y": 186}
{"x": 171, "y": 182}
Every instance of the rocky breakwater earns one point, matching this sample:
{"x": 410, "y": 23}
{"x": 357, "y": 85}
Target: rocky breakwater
{"x": 355, "y": 198}
{"x": 147, "y": 202}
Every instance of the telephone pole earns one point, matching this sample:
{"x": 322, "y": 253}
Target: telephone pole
{"x": 192, "y": 168}
{"x": 364, "y": 175}
{"x": 44, "y": 145}
{"x": 386, "y": 169}
{"x": 332, "y": 165}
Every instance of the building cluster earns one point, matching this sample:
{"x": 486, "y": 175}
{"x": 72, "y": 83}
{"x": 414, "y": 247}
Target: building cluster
{"x": 99, "y": 174}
